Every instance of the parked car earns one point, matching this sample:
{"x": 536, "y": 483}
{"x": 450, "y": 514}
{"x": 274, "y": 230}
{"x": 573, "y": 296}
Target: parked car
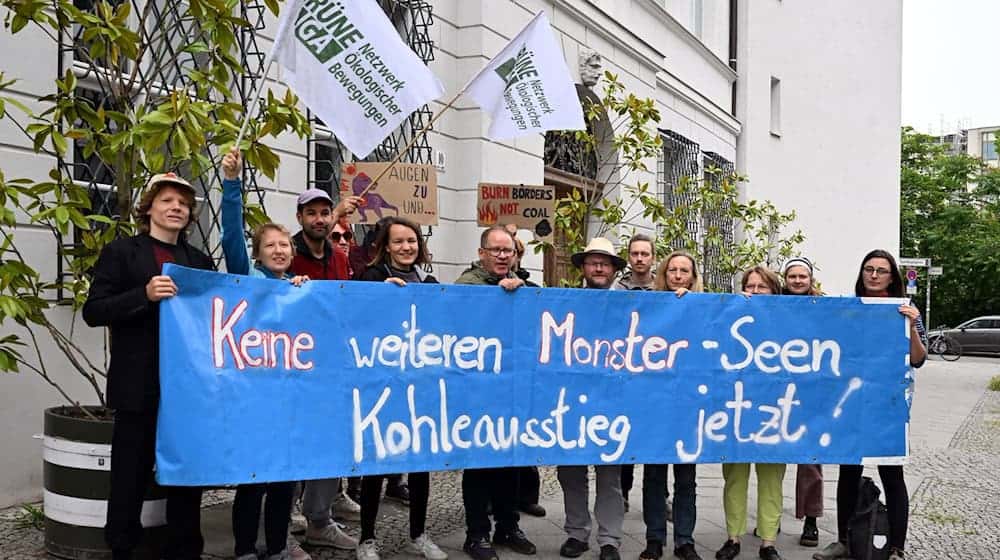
{"x": 981, "y": 334}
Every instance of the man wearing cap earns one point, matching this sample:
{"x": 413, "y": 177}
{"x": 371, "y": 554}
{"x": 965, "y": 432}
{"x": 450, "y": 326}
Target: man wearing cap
{"x": 496, "y": 487}
{"x": 125, "y": 296}
{"x": 314, "y": 255}
{"x": 316, "y": 258}
{"x": 599, "y": 264}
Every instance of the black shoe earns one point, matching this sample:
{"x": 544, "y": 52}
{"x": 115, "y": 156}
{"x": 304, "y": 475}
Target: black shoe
{"x": 686, "y": 551}
{"x": 398, "y": 492}
{"x": 728, "y": 551}
{"x": 609, "y": 552}
{"x": 758, "y": 535}
{"x": 480, "y": 549}
{"x": 769, "y": 553}
{"x": 654, "y": 551}
{"x": 515, "y": 540}
{"x": 533, "y": 510}
{"x": 573, "y": 548}
{"x": 810, "y": 534}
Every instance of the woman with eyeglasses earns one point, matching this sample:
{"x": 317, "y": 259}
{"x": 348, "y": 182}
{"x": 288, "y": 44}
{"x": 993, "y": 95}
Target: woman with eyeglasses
{"x": 756, "y": 281}
{"x": 879, "y": 276}
{"x": 800, "y": 281}
{"x": 678, "y": 274}
{"x": 399, "y": 251}
{"x": 272, "y": 252}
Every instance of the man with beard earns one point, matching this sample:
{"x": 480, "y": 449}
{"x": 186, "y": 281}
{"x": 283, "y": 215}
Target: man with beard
{"x": 599, "y": 265}
{"x": 316, "y": 258}
{"x": 314, "y": 255}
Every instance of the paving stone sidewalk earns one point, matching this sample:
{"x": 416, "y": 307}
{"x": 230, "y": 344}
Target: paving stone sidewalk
{"x": 953, "y": 478}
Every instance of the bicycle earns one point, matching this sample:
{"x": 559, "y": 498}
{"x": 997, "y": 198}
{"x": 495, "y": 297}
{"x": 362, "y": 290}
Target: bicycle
{"x": 945, "y": 346}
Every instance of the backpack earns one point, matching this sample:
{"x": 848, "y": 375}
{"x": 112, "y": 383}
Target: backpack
{"x": 868, "y": 527}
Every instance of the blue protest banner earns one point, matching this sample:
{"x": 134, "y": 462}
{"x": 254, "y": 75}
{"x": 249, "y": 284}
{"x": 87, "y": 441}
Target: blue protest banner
{"x": 263, "y": 381}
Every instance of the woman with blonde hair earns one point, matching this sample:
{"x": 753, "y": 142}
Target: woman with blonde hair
{"x": 679, "y": 274}
{"x": 756, "y": 281}
{"x": 272, "y": 251}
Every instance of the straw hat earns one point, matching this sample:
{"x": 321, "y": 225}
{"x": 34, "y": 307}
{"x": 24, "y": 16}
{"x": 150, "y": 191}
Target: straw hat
{"x": 599, "y": 246}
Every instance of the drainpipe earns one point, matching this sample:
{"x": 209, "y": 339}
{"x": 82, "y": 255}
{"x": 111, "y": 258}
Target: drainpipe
{"x": 732, "y": 49}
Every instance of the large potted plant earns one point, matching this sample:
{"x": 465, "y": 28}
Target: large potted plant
{"x": 143, "y": 87}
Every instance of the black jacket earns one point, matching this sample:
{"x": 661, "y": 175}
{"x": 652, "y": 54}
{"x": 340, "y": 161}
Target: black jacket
{"x": 118, "y": 300}
{"x": 381, "y": 272}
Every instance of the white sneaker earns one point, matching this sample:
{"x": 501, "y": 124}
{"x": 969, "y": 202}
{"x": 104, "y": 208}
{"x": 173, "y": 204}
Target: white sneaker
{"x": 424, "y": 546}
{"x": 330, "y": 536}
{"x": 368, "y": 550}
{"x": 295, "y": 551}
{"x": 346, "y": 508}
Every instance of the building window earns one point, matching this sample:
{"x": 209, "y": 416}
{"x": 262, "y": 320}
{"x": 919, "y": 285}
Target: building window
{"x": 697, "y": 18}
{"x": 775, "y": 106}
{"x": 990, "y": 146}
{"x": 679, "y": 166}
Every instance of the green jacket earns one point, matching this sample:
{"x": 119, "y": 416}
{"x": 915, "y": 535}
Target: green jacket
{"x": 477, "y": 275}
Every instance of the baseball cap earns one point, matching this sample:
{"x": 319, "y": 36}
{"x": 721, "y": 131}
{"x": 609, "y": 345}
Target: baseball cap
{"x": 311, "y": 195}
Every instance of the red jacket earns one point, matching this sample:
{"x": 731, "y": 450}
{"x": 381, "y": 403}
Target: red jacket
{"x": 333, "y": 265}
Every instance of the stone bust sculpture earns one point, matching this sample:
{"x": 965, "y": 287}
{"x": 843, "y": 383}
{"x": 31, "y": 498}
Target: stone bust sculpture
{"x": 590, "y": 67}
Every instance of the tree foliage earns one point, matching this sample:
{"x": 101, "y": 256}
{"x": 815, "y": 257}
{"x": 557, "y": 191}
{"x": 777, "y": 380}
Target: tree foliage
{"x": 166, "y": 80}
{"x": 950, "y": 213}
{"x": 619, "y": 199}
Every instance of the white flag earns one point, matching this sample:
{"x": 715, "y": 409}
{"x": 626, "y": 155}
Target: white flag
{"x": 527, "y": 87}
{"x": 349, "y": 65}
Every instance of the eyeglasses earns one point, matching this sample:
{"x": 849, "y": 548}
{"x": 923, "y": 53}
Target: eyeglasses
{"x": 498, "y": 251}
{"x": 876, "y": 271}
{"x": 598, "y": 264}
{"x": 335, "y": 236}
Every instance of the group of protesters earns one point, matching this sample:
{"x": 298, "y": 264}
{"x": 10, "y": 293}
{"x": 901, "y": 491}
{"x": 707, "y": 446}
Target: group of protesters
{"x": 128, "y": 285}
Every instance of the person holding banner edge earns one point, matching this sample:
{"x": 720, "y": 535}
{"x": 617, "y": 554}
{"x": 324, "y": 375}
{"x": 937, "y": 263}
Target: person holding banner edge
{"x": 756, "y": 281}
{"x": 679, "y": 274}
{"x": 399, "y": 251}
{"x": 492, "y": 487}
{"x": 272, "y": 252}
{"x": 800, "y": 281}
{"x": 125, "y": 294}
{"x": 599, "y": 264}
{"x": 879, "y": 276}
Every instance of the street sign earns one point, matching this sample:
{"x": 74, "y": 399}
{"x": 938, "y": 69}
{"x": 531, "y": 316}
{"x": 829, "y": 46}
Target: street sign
{"x": 911, "y": 274}
{"x": 911, "y": 290}
{"x": 936, "y": 271}
{"x": 914, "y": 262}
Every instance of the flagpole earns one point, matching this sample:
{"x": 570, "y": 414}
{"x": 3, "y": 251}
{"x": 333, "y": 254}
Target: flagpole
{"x": 256, "y": 98}
{"x": 421, "y": 132}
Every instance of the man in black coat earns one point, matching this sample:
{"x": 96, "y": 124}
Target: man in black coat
{"x": 127, "y": 287}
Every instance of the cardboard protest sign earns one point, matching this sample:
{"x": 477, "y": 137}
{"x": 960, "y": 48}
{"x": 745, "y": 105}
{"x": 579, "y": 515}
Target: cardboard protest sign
{"x": 530, "y": 207}
{"x": 408, "y": 190}
{"x": 435, "y": 377}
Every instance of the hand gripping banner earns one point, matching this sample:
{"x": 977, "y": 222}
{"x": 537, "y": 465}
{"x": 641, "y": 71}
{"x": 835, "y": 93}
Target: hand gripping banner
{"x": 262, "y": 381}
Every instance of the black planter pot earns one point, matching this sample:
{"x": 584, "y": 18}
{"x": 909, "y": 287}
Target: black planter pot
{"x": 77, "y": 478}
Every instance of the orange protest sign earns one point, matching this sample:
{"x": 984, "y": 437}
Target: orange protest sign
{"x": 408, "y": 190}
{"x": 529, "y": 207}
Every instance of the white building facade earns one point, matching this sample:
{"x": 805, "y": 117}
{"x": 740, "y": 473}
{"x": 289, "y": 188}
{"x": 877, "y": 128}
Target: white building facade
{"x": 803, "y": 98}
